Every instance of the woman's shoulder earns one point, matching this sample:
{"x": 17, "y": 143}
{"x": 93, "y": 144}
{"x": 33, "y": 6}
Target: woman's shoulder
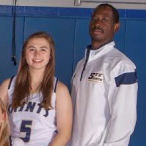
{"x": 61, "y": 86}
{"x": 5, "y": 83}
{"x": 62, "y": 91}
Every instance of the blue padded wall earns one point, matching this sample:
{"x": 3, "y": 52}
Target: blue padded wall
{"x": 119, "y": 37}
{"x": 136, "y": 50}
{"x": 82, "y": 39}
{"x": 7, "y": 67}
{"x": 69, "y": 29}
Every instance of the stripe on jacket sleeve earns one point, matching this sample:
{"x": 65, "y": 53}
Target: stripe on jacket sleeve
{"x": 126, "y": 79}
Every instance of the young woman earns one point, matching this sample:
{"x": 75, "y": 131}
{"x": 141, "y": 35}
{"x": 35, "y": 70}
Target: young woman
{"x": 39, "y": 106}
{"x": 4, "y": 126}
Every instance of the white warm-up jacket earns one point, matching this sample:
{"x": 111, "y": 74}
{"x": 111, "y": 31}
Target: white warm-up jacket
{"x": 104, "y": 94}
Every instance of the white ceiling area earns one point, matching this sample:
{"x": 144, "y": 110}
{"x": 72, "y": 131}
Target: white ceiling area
{"x": 121, "y": 4}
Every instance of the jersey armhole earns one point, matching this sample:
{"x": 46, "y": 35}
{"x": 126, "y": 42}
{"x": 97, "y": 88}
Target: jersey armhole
{"x": 10, "y": 82}
{"x": 10, "y": 141}
{"x": 55, "y": 86}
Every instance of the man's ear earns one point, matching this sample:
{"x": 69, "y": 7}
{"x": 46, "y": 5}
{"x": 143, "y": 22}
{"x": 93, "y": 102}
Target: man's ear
{"x": 116, "y": 27}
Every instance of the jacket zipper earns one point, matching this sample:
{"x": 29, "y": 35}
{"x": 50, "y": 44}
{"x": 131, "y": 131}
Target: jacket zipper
{"x": 87, "y": 57}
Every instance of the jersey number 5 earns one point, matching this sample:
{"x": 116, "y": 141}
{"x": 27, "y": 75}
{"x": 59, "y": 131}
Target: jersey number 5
{"x": 26, "y": 127}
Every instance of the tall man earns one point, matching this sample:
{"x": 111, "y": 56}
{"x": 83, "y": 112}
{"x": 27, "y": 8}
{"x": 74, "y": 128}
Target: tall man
{"x": 104, "y": 87}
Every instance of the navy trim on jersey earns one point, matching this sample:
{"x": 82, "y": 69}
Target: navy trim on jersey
{"x": 126, "y": 79}
{"x": 10, "y": 82}
{"x": 55, "y": 85}
{"x": 10, "y": 141}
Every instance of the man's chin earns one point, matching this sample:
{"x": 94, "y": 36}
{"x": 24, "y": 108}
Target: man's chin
{"x": 97, "y": 39}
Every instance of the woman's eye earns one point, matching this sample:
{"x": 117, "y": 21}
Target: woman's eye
{"x": 43, "y": 50}
{"x": 31, "y": 49}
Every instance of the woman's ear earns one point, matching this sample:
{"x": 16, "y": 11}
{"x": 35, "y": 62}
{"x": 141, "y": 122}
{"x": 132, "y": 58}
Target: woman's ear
{"x": 116, "y": 27}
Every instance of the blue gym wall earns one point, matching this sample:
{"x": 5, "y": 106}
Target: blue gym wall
{"x": 69, "y": 29}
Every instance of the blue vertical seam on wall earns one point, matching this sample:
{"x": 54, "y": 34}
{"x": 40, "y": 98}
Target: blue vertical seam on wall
{"x": 23, "y": 28}
{"x": 125, "y": 36}
{"x": 73, "y": 62}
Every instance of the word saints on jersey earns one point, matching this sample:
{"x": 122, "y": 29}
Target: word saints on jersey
{"x": 30, "y": 107}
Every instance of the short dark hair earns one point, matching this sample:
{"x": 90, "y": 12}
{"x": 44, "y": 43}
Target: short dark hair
{"x": 114, "y": 10}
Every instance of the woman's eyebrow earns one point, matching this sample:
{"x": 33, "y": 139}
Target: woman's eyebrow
{"x": 31, "y": 47}
{"x": 43, "y": 47}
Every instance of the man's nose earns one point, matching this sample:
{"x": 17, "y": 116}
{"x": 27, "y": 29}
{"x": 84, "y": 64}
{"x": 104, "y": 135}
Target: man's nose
{"x": 98, "y": 22}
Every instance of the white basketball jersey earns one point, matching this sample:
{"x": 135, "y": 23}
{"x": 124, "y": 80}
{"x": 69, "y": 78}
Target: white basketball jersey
{"x": 35, "y": 125}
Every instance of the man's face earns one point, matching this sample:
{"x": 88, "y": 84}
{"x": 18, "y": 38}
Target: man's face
{"x": 102, "y": 25}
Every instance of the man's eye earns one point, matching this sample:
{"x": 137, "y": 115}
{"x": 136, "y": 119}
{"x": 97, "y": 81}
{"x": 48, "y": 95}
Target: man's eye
{"x": 100, "y": 20}
{"x": 104, "y": 19}
{"x": 94, "y": 20}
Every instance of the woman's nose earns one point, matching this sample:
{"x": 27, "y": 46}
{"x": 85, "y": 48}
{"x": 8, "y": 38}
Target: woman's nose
{"x": 37, "y": 53}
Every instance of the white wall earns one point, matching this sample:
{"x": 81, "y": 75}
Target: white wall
{"x": 70, "y": 3}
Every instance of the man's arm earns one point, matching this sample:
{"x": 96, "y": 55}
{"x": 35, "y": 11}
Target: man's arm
{"x": 122, "y": 102}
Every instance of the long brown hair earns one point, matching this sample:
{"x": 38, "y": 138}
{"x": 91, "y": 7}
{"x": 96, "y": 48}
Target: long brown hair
{"x": 23, "y": 80}
{"x": 4, "y": 127}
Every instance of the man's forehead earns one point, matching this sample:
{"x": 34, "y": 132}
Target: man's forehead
{"x": 102, "y": 9}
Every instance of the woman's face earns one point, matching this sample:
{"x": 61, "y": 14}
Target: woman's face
{"x": 2, "y": 116}
{"x": 37, "y": 53}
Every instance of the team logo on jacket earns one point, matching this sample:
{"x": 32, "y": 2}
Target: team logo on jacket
{"x": 96, "y": 77}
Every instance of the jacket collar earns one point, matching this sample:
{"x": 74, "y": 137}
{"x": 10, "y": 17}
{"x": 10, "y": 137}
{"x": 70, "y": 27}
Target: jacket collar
{"x": 95, "y": 53}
